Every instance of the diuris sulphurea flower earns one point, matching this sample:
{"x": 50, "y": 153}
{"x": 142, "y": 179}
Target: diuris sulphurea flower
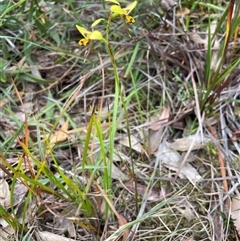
{"x": 124, "y": 12}
{"x": 89, "y": 35}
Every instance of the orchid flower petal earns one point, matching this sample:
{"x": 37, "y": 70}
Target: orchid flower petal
{"x": 130, "y": 7}
{"x": 129, "y": 19}
{"x": 96, "y": 35}
{"x": 113, "y": 1}
{"x": 118, "y": 10}
{"x": 83, "y": 31}
{"x": 96, "y": 22}
{"x": 83, "y": 42}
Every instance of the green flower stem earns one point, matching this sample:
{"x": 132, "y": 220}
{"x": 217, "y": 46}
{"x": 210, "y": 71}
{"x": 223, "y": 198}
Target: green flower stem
{"x": 115, "y": 107}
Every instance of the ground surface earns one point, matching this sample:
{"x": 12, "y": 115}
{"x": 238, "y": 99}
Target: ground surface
{"x": 131, "y": 137}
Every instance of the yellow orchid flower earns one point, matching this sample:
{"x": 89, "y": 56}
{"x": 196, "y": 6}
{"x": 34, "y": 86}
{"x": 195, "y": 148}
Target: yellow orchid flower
{"x": 89, "y": 35}
{"x": 124, "y": 12}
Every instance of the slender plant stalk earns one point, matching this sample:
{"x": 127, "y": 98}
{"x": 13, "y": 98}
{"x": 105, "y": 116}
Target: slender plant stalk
{"x": 118, "y": 93}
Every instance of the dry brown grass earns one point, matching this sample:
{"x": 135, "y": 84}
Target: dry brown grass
{"x": 57, "y": 96}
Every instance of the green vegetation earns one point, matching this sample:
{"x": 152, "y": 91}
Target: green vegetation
{"x": 119, "y": 119}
